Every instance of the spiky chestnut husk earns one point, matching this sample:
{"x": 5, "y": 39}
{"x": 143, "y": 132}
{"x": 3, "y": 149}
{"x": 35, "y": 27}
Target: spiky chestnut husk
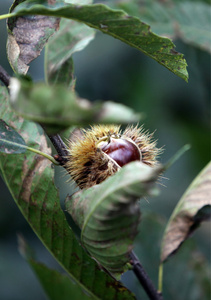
{"x": 101, "y": 151}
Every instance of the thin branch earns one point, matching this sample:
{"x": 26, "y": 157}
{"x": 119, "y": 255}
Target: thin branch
{"x": 144, "y": 278}
{"x": 61, "y": 149}
{"x": 4, "y": 77}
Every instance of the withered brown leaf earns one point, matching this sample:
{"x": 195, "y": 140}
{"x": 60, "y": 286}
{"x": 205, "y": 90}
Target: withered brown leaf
{"x": 192, "y": 209}
{"x": 27, "y": 36}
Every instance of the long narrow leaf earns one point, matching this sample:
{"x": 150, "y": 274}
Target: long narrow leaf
{"x": 192, "y": 20}
{"x": 116, "y": 23}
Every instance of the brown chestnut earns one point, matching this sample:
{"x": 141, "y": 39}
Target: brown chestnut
{"x": 120, "y": 150}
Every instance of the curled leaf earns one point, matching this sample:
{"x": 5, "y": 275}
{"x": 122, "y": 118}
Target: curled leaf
{"x": 10, "y": 141}
{"x": 27, "y": 35}
{"x": 193, "y": 208}
{"x": 108, "y": 214}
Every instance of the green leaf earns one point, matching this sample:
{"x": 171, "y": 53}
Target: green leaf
{"x": 182, "y": 19}
{"x": 30, "y": 180}
{"x": 56, "y": 107}
{"x": 56, "y": 285}
{"x": 108, "y": 214}
{"x": 194, "y": 24}
{"x": 64, "y": 74}
{"x": 193, "y": 208}
{"x": 10, "y": 141}
{"x": 116, "y": 23}
{"x": 26, "y": 38}
{"x": 70, "y": 38}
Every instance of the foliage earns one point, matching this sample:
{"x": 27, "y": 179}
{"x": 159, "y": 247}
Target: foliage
{"x": 193, "y": 208}
{"x": 40, "y": 205}
{"x": 10, "y": 141}
{"x": 175, "y": 19}
{"x": 107, "y": 214}
{"x": 113, "y": 22}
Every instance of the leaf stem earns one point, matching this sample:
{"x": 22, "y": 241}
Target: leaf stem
{"x": 144, "y": 278}
{"x": 32, "y": 150}
{"x": 45, "y": 63}
{"x": 6, "y": 16}
{"x": 160, "y": 278}
{"x": 43, "y": 154}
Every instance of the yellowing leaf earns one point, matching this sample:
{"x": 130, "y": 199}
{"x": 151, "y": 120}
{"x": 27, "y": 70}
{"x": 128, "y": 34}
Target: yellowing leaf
{"x": 193, "y": 208}
{"x": 27, "y": 36}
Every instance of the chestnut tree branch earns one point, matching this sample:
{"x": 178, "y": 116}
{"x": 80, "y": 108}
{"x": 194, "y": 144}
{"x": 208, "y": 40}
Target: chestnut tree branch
{"x": 4, "y": 77}
{"x": 61, "y": 149}
{"x": 144, "y": 279}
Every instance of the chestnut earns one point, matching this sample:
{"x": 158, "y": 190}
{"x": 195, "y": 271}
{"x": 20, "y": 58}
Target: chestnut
{"x": 122, "y": 151}
{"x": 99, "y": 152}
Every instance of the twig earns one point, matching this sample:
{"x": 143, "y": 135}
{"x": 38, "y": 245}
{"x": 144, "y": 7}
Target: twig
{"x": 4, "y": 77}
{"x": 144, "y": 278}
{"x": 61, "y": 149}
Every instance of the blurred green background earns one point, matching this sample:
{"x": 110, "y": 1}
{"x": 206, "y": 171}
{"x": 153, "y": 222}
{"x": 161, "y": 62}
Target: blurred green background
{"x": 179, "y": 112}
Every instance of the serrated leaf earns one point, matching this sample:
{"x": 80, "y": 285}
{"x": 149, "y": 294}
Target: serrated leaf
{"x": 70, "y": 38}
{"x": 193, "y": 208}
{"x": 117, "y": 24}
{"x": 185, "y": 20}
{"x": 10, "y": 141}
{"x": 108, "y": 214}
{"x": 30, "y": 180}
{"x": 27, "y": 36}
{"x": 56, "y": 107}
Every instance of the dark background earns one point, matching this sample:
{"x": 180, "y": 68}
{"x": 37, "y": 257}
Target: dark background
{"x": 179, "y": 112}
